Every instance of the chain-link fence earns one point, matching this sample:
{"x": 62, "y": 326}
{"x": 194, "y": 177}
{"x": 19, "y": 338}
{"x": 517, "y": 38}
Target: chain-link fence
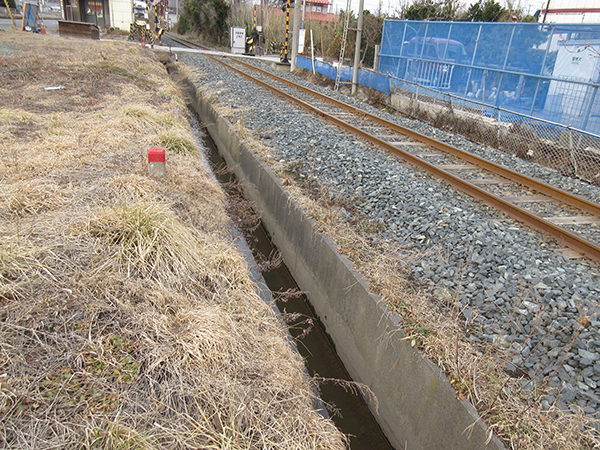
{"x": 365, "y": 77}
{"x": 548, "y": 71}
{"x": 571, "y": 151}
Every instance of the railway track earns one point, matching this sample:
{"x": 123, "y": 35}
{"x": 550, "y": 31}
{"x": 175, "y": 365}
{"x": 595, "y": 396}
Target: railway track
{"x": 522, "y": 198}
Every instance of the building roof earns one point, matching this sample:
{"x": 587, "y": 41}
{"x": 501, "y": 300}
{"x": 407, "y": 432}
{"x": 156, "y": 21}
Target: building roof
{"x": 318, "y": 2}
{"x": 329, "y": 17}
{"x": 570, "y": 11}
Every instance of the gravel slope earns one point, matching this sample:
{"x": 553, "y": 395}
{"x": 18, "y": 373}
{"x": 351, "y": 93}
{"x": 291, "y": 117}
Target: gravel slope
{"x": 509, "y": 273}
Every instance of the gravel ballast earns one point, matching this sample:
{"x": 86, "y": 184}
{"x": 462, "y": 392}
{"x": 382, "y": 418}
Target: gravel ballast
{"x": 503, "y": 272}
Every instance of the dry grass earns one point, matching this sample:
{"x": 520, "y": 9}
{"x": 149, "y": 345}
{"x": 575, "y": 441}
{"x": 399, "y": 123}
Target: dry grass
{"x": 127, "y": 317}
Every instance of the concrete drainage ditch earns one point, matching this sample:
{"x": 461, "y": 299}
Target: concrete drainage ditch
{"x": 415, "y": 404}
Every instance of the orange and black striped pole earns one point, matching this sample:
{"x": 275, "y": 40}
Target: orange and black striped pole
{"x": 287, "y": 33}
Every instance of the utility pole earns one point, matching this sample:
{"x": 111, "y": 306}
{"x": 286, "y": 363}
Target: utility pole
{"x": 295, "y": 37}
{"x": 357, "y": 49}
{"x": 546, "y": 11}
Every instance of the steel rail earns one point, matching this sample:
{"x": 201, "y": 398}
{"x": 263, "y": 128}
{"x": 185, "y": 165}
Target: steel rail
{"x": 532, "y": 183}
{"x": 184, "y": 42}
{"x": 564, "y": 237}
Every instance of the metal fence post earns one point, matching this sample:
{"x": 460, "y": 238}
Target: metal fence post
{"x": 572, "y": 150}
{"x": 403, "y": 38}
{"x": 537, "y": 87}
{"x": 424, "y": 40}
{"x": 499, "y": 88}
{"x": 401, "y": 49}
{"x": 512, "y": 34}
{"x": 498, "y": 130}
{"x": 447, "y": 43}
{"x": 588, "y": 113}
{"x": 473, "y": 61}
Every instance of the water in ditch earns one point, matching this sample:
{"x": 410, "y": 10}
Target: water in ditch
{"x": 344, "y": 405}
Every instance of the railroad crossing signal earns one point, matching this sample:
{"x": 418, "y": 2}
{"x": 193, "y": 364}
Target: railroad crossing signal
{"x": 287, "y": 33}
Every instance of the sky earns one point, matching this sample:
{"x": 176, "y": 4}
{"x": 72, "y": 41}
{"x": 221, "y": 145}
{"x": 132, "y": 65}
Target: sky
{"x": 389, "y": 6}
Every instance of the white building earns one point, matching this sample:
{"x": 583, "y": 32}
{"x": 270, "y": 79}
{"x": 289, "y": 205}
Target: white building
{"x": 576, "y": 61}
{"x": 106, "y": 13}
{"x": 570, "y": 11}
{"x": 121, "y": 14}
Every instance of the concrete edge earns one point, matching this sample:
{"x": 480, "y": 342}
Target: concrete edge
{"x": 415, "y": 404}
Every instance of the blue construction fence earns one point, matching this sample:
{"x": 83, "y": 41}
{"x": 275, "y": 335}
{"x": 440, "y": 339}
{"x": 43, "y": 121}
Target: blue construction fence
{"x": 548, "y": 71}
{"x": 366, "y": 78}
{"x": 566, "y": 148}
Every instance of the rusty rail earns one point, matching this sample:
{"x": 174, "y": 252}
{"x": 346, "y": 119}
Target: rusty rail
{"x": 565, "y": 237}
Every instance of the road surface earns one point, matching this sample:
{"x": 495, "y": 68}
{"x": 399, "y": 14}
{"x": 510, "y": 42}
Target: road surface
{"x": 50, "y": 24}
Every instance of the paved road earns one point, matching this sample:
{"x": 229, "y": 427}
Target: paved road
{"x": 51, "y": 24}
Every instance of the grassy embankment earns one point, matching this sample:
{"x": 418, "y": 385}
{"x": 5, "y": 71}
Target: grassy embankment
{"x": 127, "y": 317}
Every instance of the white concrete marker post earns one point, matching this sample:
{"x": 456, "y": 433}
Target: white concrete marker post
{"x": 156, "y": 162}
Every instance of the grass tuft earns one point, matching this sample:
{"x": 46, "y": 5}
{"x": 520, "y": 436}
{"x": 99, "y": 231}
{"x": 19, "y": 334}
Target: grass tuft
{"x": 146, "y": 238}
{"x": 32, "y": 197}
{"x": 178, "y": 145}
{"x": 15, "y": 116}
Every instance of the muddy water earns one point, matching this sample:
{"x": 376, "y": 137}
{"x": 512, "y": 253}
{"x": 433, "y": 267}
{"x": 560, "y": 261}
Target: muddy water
{"x": 345, "y": 407}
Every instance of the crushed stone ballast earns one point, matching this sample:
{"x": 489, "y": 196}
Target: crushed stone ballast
{"x": 508, "y": 271}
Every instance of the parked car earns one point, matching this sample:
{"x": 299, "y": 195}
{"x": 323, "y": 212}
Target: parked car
{"x": 432, "y": 60}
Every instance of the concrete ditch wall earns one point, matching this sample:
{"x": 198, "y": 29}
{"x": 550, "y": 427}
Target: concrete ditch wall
{"x": 416, "y": 405}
